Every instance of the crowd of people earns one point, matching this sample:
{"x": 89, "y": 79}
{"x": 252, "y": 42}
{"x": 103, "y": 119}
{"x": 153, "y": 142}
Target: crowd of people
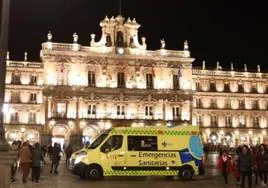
{"x": 246, "y": 163}
{"x": 31, "y": 158}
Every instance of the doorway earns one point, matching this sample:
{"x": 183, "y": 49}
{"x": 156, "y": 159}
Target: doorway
{"x": 58, "y": 140}
{"x": 60, "y": 135}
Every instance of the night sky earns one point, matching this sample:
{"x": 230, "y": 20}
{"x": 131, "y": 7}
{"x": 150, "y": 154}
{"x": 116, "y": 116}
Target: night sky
{"x": 219, "y": 30}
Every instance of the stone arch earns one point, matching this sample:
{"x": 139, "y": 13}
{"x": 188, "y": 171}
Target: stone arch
{"x": 32, "y": 136}
{"x": 13, "y": 135}
{"x": 61, "y": 134}
{"x": 214, "y": 137}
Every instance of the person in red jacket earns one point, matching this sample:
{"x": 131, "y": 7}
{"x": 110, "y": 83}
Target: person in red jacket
{"x": 225, "y": 165}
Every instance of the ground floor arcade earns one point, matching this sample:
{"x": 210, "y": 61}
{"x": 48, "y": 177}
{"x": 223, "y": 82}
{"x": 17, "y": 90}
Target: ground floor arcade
{"x": 86, "y": 131}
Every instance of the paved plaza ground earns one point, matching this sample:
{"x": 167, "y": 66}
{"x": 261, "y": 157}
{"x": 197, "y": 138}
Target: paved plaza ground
{"x": 66, "y": 180}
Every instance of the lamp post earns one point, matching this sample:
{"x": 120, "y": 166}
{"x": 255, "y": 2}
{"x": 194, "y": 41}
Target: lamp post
{"x": 5, "y": 6}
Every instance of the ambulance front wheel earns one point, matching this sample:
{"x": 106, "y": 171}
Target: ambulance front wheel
{"x": 186, "y": 173}
{"x": 93, "y": 172}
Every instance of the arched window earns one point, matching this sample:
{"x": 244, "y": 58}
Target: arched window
{"x": 108, "y": 40}
{"x": 120, "y": 39}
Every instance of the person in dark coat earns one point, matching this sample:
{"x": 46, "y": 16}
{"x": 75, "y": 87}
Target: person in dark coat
{"x": 38, "y": 157}
{"x": 245, "y": 165}
{"x": 55, "y": 158}
{"x": 262, "y": 161}
{"x": 225, "y": 166}
{"x": 68, "y": 152}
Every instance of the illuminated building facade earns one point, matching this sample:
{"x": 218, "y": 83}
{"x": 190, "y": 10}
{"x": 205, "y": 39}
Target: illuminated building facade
{"x": 78, "y": 91}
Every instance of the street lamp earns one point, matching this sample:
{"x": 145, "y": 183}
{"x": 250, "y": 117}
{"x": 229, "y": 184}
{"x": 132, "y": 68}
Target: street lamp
{"x": 22, "y": 130}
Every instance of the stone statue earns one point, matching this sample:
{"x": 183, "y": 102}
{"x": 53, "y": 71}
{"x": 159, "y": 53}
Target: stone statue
{"x": 245, "y": 68}
{"x": 258, "y": 68}
{"x": 186, "y": 46}
{"x": 7, "y": 57}
{"x": 49, "y": 36}
{"x": 75, "y": 38}
{"x": 232, "y": 66}
{"x": 163, "y": 43}
{"x": 203, "y": 65}
{"x": 25, "y": 56}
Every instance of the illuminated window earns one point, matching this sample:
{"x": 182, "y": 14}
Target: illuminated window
{"x": 108, "y": 40}
{"x": 242, "y": 121}
{"x": 61, "y": 109}
{"x": 15, "y": 78}
{"x": 228, "y": 121}
{"x": 148, "y": 110}
{"x": 33, "y": 80}
{"x": 240, "y": 88}
{"x": 32, "y": 117}
{"x": 121, "y": 80}
{"x": 33, "y": 97}
{"x": 214, "y": 122}
{"x": 91, "y": 109}
{"x": 149, "y": 81}
{"x": 226, "y": 87}
{"x": 198, "y": 102}
{"x": 15, "y": 97}
{"x": 212, "y": 86}
{"x": 256, "y": 122}
{"x": 120, "y": 110}
{"x": 241, "y": 103}
{"x": 176, "y": 82}
{"x": 15, "y": 117}
{"x": 198, "y": 120}
{"x": 91, "y": 78}
{"x": 176, "y": 113}
{"x": 197, "y": 86}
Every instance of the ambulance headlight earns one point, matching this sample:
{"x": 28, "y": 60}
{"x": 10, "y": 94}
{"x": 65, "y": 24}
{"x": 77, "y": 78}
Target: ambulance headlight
{"x": 80, "y": 156}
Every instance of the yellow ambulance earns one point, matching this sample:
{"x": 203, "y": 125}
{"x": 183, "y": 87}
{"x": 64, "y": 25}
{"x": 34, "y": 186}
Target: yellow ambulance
{"x": 156, "y": 151}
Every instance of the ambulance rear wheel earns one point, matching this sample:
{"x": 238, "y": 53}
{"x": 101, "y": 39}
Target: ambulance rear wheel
{"x": 93, "y": 172}
{"x": 186, "y": 173}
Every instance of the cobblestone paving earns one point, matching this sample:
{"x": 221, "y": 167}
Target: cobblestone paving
{"x": 65, "y": 180}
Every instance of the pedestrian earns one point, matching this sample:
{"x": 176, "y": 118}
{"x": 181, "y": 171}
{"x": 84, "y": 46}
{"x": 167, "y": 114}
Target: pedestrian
{"x": 56, "y": 150}
{"x": 49, "y": 151}
{"x": 68, "y": 152}
{"x": 255, "y": 164}
{"x": 262, "y": 161}
{"x": 38, "y": 158}
{"x": 245, "y": 164}
{"x": 44, "y": 150}
{"x": 14, "y": 167}
{"x": 225, "y": 166}
{"x": 25, "y": 155}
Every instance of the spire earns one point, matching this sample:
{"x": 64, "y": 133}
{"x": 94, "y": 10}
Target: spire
{"x": 120, "y": 7}
{"x": 49, "y": 36}
{"x": 25, "y": 56}
{"x": 232, "y": 66}
{"x": 245, "y": 68}
{"x": 186, "y": 46}
{"x": 7, "y": 57}
{"x": 203, "y": 65}
{"x": 259, "y": 68}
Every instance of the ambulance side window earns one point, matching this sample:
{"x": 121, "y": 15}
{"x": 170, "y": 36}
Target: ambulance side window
{"x": 113, "y": 143}
{"x": 142, "y": 143}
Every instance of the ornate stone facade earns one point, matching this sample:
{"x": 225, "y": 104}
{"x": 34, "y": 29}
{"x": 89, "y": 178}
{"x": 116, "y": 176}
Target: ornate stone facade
{"x": 77, "y": 91}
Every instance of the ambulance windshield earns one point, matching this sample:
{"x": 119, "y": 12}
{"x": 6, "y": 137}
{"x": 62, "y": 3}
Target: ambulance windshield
{"x": 98, "y": 141}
